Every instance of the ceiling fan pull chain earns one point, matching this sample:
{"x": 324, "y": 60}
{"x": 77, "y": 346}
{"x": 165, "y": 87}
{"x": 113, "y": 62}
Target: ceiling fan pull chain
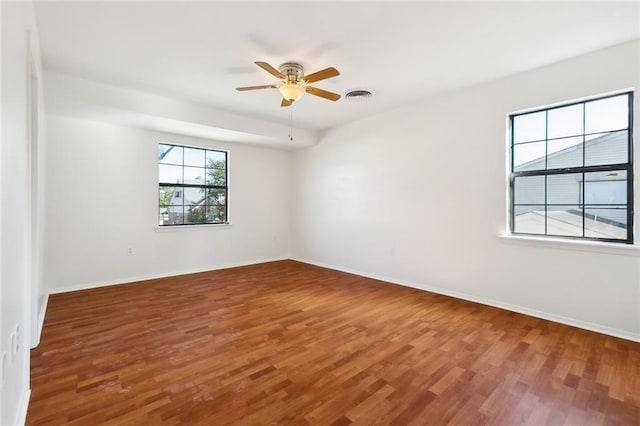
{"x": 291, "y": 123}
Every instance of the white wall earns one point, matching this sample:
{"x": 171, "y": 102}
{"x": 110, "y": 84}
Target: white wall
{"x": 37, "y": 157}
{"x": 20, "y": 289}
{"x": 418, "y": 196}
{"x": 102, "y": 198}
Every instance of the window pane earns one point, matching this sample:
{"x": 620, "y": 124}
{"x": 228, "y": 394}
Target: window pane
{"x": 177, "y": 198}
{"x": 565, "y": 121}
{"x": 529, "y": 220}
{"x": 172, "y": 215}
{"x": 615, "y": 216}
{"x": 216, "y": 213}
{"x": 606, "y": 148}
{"x": 566, "y": 152}
{"x": 606, "y": 222}
{"x": 196, "y": 214}
{"x": 564, "y": 221}
{"x": 216, "y": 177}
{"x": 165, "y": 195}
{"x": 529, "y": 190}
{"x": 170, "y": 154}
{"x": 216, "y": 196}
{"x": 163, "y": 216}
{"x": 564, "y": 189}
{"x": 194, "y": 157}
{"x": 216, "y": 159}
{"x": 606, "y": 187}
{"x": 529, "y": 156}
{"x": 529, "y": 127}
{"x": 607, "y": 114}
{"x": 193, "y": 196}
{"x": 169, "y": 174}
{"x": 194, "y": 175}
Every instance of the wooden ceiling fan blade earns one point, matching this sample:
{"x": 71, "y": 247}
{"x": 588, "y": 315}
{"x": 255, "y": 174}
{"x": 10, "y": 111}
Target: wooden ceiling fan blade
{"x": 322, "y": 93}
{"x": 271, "y": 70}
{"x": 321, "y": 75}
{"x": 266, "y": 86}
{"x": 285, "y": 102}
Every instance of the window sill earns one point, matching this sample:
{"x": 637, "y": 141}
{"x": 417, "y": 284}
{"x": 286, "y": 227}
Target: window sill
{"x": 177, "y": 228}
{"x": 586, "y": 246}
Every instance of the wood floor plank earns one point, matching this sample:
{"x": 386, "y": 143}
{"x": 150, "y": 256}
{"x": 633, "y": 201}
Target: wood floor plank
{"x": 291, "y": 343}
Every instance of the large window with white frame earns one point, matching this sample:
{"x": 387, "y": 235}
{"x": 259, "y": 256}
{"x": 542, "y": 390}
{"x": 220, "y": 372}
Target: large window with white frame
{"x": 192, "y": 185}
{"x": 572, "y": 170}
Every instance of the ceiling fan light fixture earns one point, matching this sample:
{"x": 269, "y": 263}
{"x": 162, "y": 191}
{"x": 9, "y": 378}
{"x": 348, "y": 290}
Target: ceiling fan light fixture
{"x": 291, "y": 92}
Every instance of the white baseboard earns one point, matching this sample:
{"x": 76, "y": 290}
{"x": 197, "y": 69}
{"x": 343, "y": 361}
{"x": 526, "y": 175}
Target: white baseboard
{"x": 41, "y": 314}
{"x": 127, "y": 280}
{"x": 497, "y": 304}
{"x": 23, "y": 406}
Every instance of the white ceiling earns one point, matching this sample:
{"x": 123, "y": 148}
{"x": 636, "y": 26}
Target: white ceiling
{"x": 402, "y": 52}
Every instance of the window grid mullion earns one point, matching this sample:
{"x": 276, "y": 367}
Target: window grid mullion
{"x": 512, "y": 218}
{"x": 584, "y": 163}
{"x": 546, "y": 179}
{"x": 630, "y": 200}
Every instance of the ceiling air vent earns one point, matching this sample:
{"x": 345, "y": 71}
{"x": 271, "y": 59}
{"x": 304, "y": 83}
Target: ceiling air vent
{"x": 358, "y": 95}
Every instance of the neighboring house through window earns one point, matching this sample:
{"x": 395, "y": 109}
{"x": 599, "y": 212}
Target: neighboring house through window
{"x": 192, "y": 185}
{"x": 572, "y": 170}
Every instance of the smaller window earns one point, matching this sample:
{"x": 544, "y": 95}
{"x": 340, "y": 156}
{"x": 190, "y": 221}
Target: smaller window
{"x": 192, "y": 185}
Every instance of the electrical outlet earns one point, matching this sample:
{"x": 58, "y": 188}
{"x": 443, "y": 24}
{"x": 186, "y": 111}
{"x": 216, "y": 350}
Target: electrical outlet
{"x": 129, "y": 251}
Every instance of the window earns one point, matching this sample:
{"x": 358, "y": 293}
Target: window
{"x": 572, "y": 170}
{"x": 192, "y": 185}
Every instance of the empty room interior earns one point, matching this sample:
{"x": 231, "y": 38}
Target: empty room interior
{"x": 319, "y": 213}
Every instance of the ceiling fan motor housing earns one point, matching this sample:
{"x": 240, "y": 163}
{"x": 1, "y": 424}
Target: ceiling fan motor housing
{"x": 292, "y": 72}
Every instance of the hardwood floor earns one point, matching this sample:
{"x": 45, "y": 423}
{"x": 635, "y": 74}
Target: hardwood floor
{"x": 290, "y": 343}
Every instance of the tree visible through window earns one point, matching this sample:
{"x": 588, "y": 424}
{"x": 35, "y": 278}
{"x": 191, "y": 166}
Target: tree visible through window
{"x": 572, "y": 170}
{"x": 192, "y": 185}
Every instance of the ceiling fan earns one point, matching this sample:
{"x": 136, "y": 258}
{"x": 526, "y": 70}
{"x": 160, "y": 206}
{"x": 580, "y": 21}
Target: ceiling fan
{"x": 295, "y": 83}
